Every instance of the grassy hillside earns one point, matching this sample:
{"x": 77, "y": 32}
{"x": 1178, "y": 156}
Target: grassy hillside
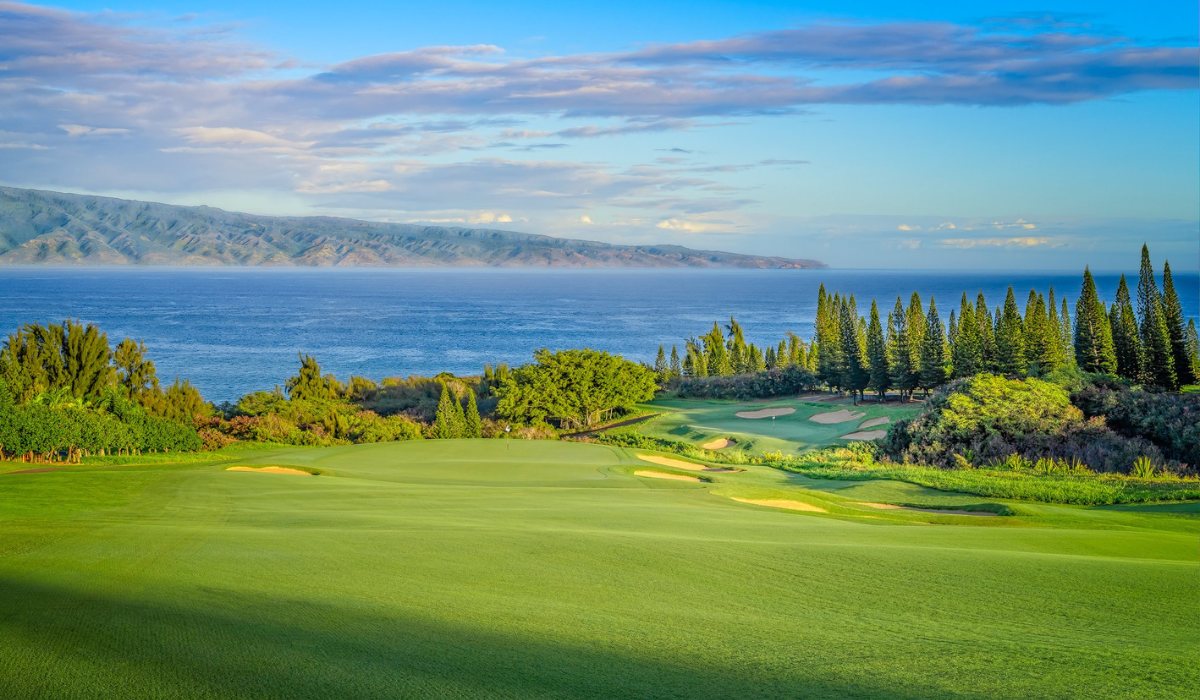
{"x": 56, "y": 228}
{"x": 485, "y": 569}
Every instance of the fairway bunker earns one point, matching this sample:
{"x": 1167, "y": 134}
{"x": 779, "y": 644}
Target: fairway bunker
{"x": 663, "y": 475}
{"x": 866, "y": 435}
{"x": 674, "y": 463}
{"x": 883, "y": 420}
{"x": 834, "y": 417}
{"x": 719, "y": 444}
{"x": 783, "y": 503}
{"x": 937, "y": 511}
{"x": 765, "y": 413}
{"x": 270, "y": 470}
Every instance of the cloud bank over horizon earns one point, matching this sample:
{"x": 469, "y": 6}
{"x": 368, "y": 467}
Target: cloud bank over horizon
{"x": 725, "y": 139}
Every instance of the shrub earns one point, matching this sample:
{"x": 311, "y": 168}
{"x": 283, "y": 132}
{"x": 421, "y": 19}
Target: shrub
{"x": 787, "y": 381}
{"x": 1170, "y": 421}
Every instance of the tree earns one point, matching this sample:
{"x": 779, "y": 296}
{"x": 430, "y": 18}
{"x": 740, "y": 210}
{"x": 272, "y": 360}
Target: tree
{"x": 754, "y": 359}
{"x": 1127, "y": 345}
{"x": 574, "y": 388}
{"x": 877, "y": 355}
{"x": 70, "y": 358}
{"x": 933, "y": 351}
{"x": 674, "y": 367}
{"x": 917, "y": 326}
{"x": 1193, "y": 348}
{"x": 472, "y": 424}
{"x": 1068, "y": 334}
{"x": 715, "y": 353}
{"x": 796, "y": 354}
{"x": 443, "y": 424}
{"x": 1010, "y": 339}
{"x": 135, "y": 374}
{"x": 967, "y": 352}
{"x": 856, "y": 373}
{"x": 900, "y": 351}
{"x": 660, "y": 366}
{"x": 308, "y": 384}
{"x": 1176, "y": 329}
{"x": 985, "y": 324}
{"x": 1158, "y": 362}
{"x": 1094, "y": 350}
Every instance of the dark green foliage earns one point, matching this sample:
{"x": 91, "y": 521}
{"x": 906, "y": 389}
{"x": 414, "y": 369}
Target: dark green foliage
{"x": 900, "y": 350}
{"x": 574, "y": 388}
{"x": 675, "y": 367}
{"x": 1176, "y": 330}
{"x": 661, "y": 370}
{"x": 785, "y": 381}
{"x": 917, "y": 328}
{"x": 1158, "y": 361}
{"x": 472, "y": 423}
{"x": 1127, "y": 344}
{"x": 1094, "y": 351}
{"x": 986, "y": 325}
{"x": 828, "y": 340}
{"x": 135, "y": 374}
{"x": 1193, "y": 349}
{"x": 1170, "y": 421}
{"x": 967, "y": 349}
{"x": 71, "y": 356}
{"x": 445, "y": 425}
{"x": 855, "y": 371}
{"x": 877, "y": 355}
{"x": 989, "y": 418}
{"x": 933, "y": 351}
{"x": 1010, "y": 339}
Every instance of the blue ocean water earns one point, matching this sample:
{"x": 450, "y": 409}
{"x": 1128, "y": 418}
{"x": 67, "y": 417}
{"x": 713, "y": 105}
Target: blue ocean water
{"x": 234, "y": 330}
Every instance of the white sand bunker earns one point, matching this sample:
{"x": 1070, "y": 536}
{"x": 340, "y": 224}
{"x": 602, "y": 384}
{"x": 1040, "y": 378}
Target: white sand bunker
{"x": 719, "y": 444}
{"x": 765, "y": 413}
{"x": 833, "y": 417}
{"x": 781, "y": 503}
{"x": 673, "y": 463}
{"x": 270, "y": 470}
{"x": 664, "y": 475}
{"x": 937, "y": 511}
{"x": 884, "y": 420}
{"x": 866, "y": 435}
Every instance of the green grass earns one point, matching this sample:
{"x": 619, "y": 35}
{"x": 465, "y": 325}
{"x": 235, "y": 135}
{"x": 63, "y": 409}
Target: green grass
{"x": 698, "y": 422}
{"x": 486, "y": 569}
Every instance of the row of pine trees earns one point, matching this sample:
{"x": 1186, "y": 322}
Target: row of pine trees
{"x": 453, "y": 421}
{"x": 913, "y": 350}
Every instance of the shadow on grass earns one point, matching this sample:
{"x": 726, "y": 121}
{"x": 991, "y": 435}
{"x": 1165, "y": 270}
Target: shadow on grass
{"x": 61, "y": 643}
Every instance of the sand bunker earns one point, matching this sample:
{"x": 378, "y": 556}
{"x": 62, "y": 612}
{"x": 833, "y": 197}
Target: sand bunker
{"x": 866, "y": 435}
{"x": 270, "y": 470}
{"x": 778, "y": 503}
{"x": 936, "y": 511}
{"x": 673, "y": 463}
{"x": 719, "y": 444}
{"x": 832, "y": 417}
{"x": 874, "y": 422}
{"x": 765, "y": 413}
{"x": 664, "y": 475}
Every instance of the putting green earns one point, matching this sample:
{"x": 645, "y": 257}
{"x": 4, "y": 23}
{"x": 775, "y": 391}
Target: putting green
{"x": 701, "y": 422}
{"x": 480, "y": 569}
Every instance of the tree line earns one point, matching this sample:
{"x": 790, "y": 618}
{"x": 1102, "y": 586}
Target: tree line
{"x": 914, "y": 350}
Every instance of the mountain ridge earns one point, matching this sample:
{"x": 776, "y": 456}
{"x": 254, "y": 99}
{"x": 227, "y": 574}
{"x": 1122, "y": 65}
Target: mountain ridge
{"x": 41, "y": 227}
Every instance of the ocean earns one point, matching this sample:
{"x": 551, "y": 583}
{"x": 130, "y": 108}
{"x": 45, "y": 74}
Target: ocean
{"x": 235, "y": 330}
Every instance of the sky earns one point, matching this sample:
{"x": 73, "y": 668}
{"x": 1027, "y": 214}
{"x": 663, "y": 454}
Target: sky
{"x": 863, "y": 134}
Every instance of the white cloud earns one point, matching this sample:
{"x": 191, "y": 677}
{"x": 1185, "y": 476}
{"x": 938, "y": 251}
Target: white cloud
{"x": 75, "y": 130}
{"x": 1015, "y": 242}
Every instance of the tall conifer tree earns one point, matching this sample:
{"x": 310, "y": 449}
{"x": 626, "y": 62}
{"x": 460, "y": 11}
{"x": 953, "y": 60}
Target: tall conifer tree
{"x": 1127, "y": 344}
{"x": 900, "y": 351}
{"x": 1158, "y": 362}
{"x": 1193, "y": 342}
{"x": 675, "y": 367}
{"x": 660, "y": 366}
{"x": 933, "y": 350}
{"x": 472, "y": 425}
{"x": 1176, "y": 329}
{"x": 988, "y": 360}
{"x": 1010, "y": 339}
{"x": 917, "y": 326}
{"x": 877, "y": 355}
{"x": 1094, "y": 350}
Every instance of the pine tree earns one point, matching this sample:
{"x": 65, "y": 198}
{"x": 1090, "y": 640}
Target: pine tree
{"x": 877, "y": 356}
{"x": 754, "y": 359}
{"x": 308, "y": 384}
{"x": 900, "y": 350}
{"x": 933, "y": 351}
{"x": 1127, "y": 345}
{"x": 472, "y": 424}
{"x": 796, "y": 352}
{"x": 967, "y": 354}
{"x": 660, "y": 366}
{"x": 458, "y": 426}
{"x": 1193, "y": 344}
{"x": 1176, "y": 329}
{"x": 1010, "y": 339}
{"x": 855, "y": 373}
{"x": 715, "y": 353}
{"x": 917, "y": 326}
{"x": 1068, "y": 334}
{"x": 1158, "y": 362}
{"x": 828, "y": 357}
{"x": 985, "y": 326}
{"x": 675, "y": 367}
{"x": 443, "y": 424}
{"x": 1094, "y": 350}
{"x": 781, "y": 354}
{"x": 769, "y": 358}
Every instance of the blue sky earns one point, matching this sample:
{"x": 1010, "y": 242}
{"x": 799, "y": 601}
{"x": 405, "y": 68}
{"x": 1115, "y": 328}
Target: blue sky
{"x": 965, "y": 135}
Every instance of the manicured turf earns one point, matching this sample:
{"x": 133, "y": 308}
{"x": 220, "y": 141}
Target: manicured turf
{"x": 698, "y": 422}
{"x": 478, "y": 569}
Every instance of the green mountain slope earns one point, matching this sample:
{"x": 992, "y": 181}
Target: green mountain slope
{"x": 39, "y": 227}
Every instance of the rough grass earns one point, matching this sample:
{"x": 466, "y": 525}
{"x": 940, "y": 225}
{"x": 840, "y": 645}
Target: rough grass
{"x": 479, "y": 569}
{"x": 1093, "y": 489}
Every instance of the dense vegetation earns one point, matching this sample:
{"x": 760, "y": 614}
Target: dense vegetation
{"x": 573, "y": 388}
{"x": 913, "y": 350}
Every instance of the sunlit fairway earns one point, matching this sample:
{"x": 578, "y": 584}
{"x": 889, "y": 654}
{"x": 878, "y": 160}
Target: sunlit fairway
{"x": 486, "y": 569}
{"x": 700, "y": 422}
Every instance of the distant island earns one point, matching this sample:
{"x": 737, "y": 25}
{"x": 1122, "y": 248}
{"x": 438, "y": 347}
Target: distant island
{"x": 51, "y": 228}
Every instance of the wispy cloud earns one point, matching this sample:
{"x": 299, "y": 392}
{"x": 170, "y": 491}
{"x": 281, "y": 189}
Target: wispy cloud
{"x": 1014, "y": 242}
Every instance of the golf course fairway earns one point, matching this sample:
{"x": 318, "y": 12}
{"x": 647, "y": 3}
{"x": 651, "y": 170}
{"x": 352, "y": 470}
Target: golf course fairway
{"x": 520, "y": 569}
